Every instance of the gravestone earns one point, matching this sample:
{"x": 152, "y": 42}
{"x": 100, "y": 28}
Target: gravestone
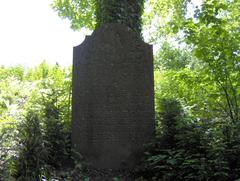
{"x": 113, "y": 102}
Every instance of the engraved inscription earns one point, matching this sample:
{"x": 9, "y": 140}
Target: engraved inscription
{"x": 113, "y": 104}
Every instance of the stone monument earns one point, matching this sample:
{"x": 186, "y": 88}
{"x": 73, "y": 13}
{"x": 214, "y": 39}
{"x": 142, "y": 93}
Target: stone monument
{"x": 113, "y": 102}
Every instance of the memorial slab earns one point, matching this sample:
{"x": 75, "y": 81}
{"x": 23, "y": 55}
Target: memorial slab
{"x": 113, "y": 101}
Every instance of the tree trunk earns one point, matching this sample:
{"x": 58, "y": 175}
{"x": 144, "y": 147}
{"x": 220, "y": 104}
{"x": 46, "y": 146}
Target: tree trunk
{"x": 126, "y": 12}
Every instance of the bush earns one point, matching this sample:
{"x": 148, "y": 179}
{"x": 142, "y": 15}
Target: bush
{"x": 57, "y": 142}
{"x": 31, "y": 156}
{"x": 189, "y": 149}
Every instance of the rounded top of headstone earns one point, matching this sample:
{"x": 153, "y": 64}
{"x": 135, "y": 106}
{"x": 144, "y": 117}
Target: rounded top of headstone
{"x": 112, "y": 40}
{"x": 110, "y": 30}
{"x": 115, "y": 27}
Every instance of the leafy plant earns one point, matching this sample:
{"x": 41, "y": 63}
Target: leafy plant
{"x": 31, "y": 153}
{"x": 91, "y": 14}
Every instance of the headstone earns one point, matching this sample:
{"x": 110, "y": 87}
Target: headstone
{"x": 113, "y": 102}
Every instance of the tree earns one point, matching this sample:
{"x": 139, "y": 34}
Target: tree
{"x": 163, "y": 18}
{"x": 214, "y": 36}
{"x": 169, "y": 57}
{"x": 94, "y": 13}
{"x": 36, "y": 99}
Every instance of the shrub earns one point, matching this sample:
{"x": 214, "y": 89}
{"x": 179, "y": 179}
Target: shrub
{"x": 188, "y": 149}
{"x": 31, "y": 156}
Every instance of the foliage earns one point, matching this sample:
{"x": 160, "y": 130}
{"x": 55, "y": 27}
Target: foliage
{"x": 197, "y": 93}
{"x": 8, "y": 135}
{"x": 169, "y": 114}
{"x": 56, "y": 134}
{"x": 171, "y": 58}
{"x": 163, "y": 18}
{"x": 124, "y": 12}
{"x": 215, "y": 38}
{"x": 31, "y": 156}
{"x": 14, "y": 93}
{"x": 16, "y": 71}
{"x": 47, "y": 90}
{"x": 202, "y": 143}
{"x": 81, "y": 13}
{"x": 53, "y": 99}
{"x": 204, "y": 77}
{"x": 193, "y": 155}
{"x": 94, "y": 13}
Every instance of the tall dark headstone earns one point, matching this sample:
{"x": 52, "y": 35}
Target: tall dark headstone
{"x": 113, "y": 102}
